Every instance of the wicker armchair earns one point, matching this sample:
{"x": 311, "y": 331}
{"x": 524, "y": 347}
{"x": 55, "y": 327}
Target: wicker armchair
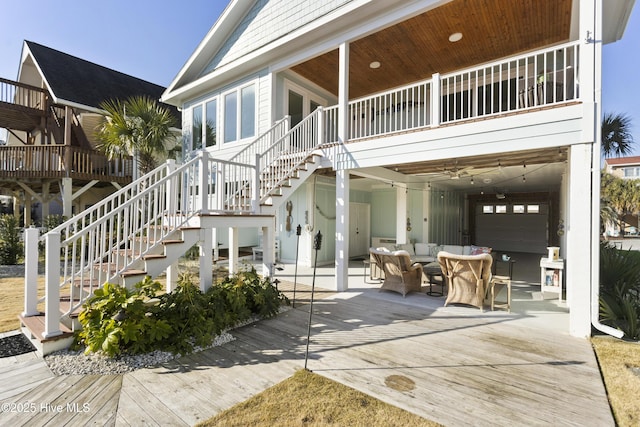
{"x": 400, "y": 274}
{"x": 467, "y": 276}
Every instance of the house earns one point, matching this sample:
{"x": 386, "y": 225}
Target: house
{"x": 451, "y": 122}
{"x": 625, "y": 168}
{"x": 51, "y": 113}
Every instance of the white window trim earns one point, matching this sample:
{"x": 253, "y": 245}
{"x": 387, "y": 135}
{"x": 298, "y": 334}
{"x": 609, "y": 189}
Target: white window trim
{"x": 308, "y": 96}
{"x": 222, "y": 111}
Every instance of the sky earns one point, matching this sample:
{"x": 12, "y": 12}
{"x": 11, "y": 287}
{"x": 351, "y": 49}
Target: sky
{"x": 152, "y": 40}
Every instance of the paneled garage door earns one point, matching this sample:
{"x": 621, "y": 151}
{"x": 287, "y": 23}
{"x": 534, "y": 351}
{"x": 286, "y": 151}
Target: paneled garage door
{"x": 512, "y": 227}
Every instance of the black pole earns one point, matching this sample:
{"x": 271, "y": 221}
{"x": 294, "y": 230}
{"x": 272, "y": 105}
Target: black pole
{"x": 295, "y": 275}
{"x": 317, "y": 242}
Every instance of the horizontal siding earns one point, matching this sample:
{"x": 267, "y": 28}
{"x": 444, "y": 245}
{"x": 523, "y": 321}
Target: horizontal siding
{"x": 269, "y": 20}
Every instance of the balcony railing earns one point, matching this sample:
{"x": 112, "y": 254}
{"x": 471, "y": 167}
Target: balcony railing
{"x": 49, "y": 161}
{"x": 22, "y": 95}
{"x": 518, "y": 83}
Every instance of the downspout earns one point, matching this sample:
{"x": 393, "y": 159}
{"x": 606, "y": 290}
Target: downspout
{"x": 596, "y": 40}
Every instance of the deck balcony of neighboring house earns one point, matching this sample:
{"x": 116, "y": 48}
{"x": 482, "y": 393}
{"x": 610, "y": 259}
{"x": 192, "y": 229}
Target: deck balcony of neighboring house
{"x": 49, "y": 146}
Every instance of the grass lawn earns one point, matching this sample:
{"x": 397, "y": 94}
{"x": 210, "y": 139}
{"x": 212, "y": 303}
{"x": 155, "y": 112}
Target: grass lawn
{"x": 309, "y": 399}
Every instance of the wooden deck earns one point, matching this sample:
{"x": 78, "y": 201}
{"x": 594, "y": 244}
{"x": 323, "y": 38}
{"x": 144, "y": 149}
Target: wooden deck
{"x": 467, "y": 368}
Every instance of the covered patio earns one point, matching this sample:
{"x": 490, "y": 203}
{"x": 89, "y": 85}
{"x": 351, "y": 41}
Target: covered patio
{"x": 453, "y": 365}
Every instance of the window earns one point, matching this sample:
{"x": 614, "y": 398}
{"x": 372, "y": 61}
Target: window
{"x": 196, "y": 128}
{"x": 240, "y": 114}
{"x": 518, "y": 209}
{"x": 212, "y": 123}
{"x": 487, "y": 209}
{"x": 248, "y": 112}
{"x": 501, "y": 209}
{"x": 632, "y": 172}
{"x": 533, "y": 209}
{"x": 230, "y": 117}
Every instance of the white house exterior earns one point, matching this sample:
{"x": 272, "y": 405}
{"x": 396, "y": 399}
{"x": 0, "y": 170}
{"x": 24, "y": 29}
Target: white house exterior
{"x": 428, "y": 107}
{"x": 447, "y": 122}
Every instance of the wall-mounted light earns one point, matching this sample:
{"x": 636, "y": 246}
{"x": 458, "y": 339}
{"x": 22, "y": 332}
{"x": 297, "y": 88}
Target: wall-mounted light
{"x": 374, "y": 65}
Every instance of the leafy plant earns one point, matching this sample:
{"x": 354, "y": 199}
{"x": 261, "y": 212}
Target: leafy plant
{"x": 117, "y": 320}
{"x": 10, "y": 246}
{"x": 620, "y": 289}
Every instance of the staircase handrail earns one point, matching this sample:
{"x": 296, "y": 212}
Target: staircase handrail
{"x": 283, "y": 158}
{"x": 264, "y": 141}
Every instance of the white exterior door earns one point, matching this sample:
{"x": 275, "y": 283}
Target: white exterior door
{"x": 359, "y": 229}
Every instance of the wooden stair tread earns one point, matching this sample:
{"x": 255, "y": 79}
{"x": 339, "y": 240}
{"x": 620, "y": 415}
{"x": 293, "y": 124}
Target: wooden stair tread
{"x": 35, "y": 324}
{"x": 128, "y": 273}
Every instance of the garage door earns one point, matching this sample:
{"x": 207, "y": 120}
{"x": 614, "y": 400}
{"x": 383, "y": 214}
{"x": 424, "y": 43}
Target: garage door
{"x": 512, "y": 227}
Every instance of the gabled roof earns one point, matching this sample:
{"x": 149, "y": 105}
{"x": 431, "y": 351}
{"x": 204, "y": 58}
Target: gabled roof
{"x": 617, "y": 161}
{"x": 75, "y": 81}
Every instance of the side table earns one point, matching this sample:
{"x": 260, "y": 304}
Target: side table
{"x": 433, "y": 270}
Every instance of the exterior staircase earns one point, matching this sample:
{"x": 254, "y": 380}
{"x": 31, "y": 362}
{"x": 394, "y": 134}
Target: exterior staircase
{"x": 147, "y": 226}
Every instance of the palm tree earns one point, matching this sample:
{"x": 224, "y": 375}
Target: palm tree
{"x": 138, "y": 127}
{"x": 616, "y": 135}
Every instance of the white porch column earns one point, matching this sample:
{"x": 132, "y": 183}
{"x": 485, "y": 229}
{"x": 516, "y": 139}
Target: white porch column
{"x": 31, "y": 272}
{"x": 233, "y": 250}
{"x": 401, "y": 215}
{"x": 206, "y": 265}
{"x": 578, "y": 254}
{"x": 426, "y": 213}
{"x": 172, "y": 277}
{"x": 268, "y": 251}
{"x": 66, "y": 191}
{"x": 342, "y": 175}
{"x": 435, "y": 100}
{"x": 342, "y": 230}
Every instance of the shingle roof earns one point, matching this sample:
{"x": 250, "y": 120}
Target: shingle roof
{"x": 83, "y": 82}
{"x": 623, "y": 160}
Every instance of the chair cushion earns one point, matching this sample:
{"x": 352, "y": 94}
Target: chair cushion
{"x": 453, "y": 249}
{"x": 477, "y": 250}
{"x": 434, "y": 250}
{"x": 406, "y": 247}
{"x": 424, "y": 249}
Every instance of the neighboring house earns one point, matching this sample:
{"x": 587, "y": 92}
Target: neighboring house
{"x": 51, "y": 114}
{"x": 625, "y": 168}
{"x": 450, "y": 122}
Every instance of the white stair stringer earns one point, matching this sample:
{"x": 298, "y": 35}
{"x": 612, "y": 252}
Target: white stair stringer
{"x": 155, "y": 264}
{"x": 271, "y": 203}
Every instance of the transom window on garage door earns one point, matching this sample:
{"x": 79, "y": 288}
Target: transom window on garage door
{"x": 516, "y": 209}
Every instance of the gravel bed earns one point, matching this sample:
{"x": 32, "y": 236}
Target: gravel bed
{"x": 68, "y": 362}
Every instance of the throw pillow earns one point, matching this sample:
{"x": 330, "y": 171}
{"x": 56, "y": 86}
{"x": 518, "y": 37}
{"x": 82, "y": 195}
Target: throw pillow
{"x": 423, "y": 249}
{"x": 407, "y": 247}
{"x": 477, "y": 250}
{"x": 434, "y": 251}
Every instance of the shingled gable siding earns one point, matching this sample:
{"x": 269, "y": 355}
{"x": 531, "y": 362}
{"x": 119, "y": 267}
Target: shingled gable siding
{"x": 267, "y": 21}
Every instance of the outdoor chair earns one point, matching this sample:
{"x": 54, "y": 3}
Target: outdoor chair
{"x": 400, "y": 273}
{"x": 467, "y": 276}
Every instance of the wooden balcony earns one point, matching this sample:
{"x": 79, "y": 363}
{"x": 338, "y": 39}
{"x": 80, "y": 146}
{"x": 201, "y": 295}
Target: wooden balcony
{"x": 42, "y": 162}
{"x": 22, "y": 107}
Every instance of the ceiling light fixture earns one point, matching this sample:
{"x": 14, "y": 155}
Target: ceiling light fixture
{"x": 374, "y": 65}
{"x": 455, "y": 37}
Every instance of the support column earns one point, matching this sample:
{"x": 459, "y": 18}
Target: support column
{"x": 27, "y": 210}
{"x": 578, "y": 253}
{"x": 45, "y": 200}
{"x": 206, "y": 266}
{"x": 268, "y": 247}
{"x": 401, "y": 215}
{"x": 342, "y": 175}
{"x": 233, "y": 250}
{"x": 66, "y": 191}
{"x": 342, "y": 230}
{"x": 172, "y": 277}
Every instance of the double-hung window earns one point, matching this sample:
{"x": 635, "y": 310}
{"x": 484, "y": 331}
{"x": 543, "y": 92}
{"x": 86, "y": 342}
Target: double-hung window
{"x": 240, "y": 113}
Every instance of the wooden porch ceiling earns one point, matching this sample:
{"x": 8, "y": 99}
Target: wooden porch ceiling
{"x": 417, "y": 48}
{"x": 473, "y": 165}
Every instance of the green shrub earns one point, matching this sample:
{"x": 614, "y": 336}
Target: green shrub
{"x": 116, "y": 320}
{"x": 620, "y": 289}
{"x": 11, "y": 249}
